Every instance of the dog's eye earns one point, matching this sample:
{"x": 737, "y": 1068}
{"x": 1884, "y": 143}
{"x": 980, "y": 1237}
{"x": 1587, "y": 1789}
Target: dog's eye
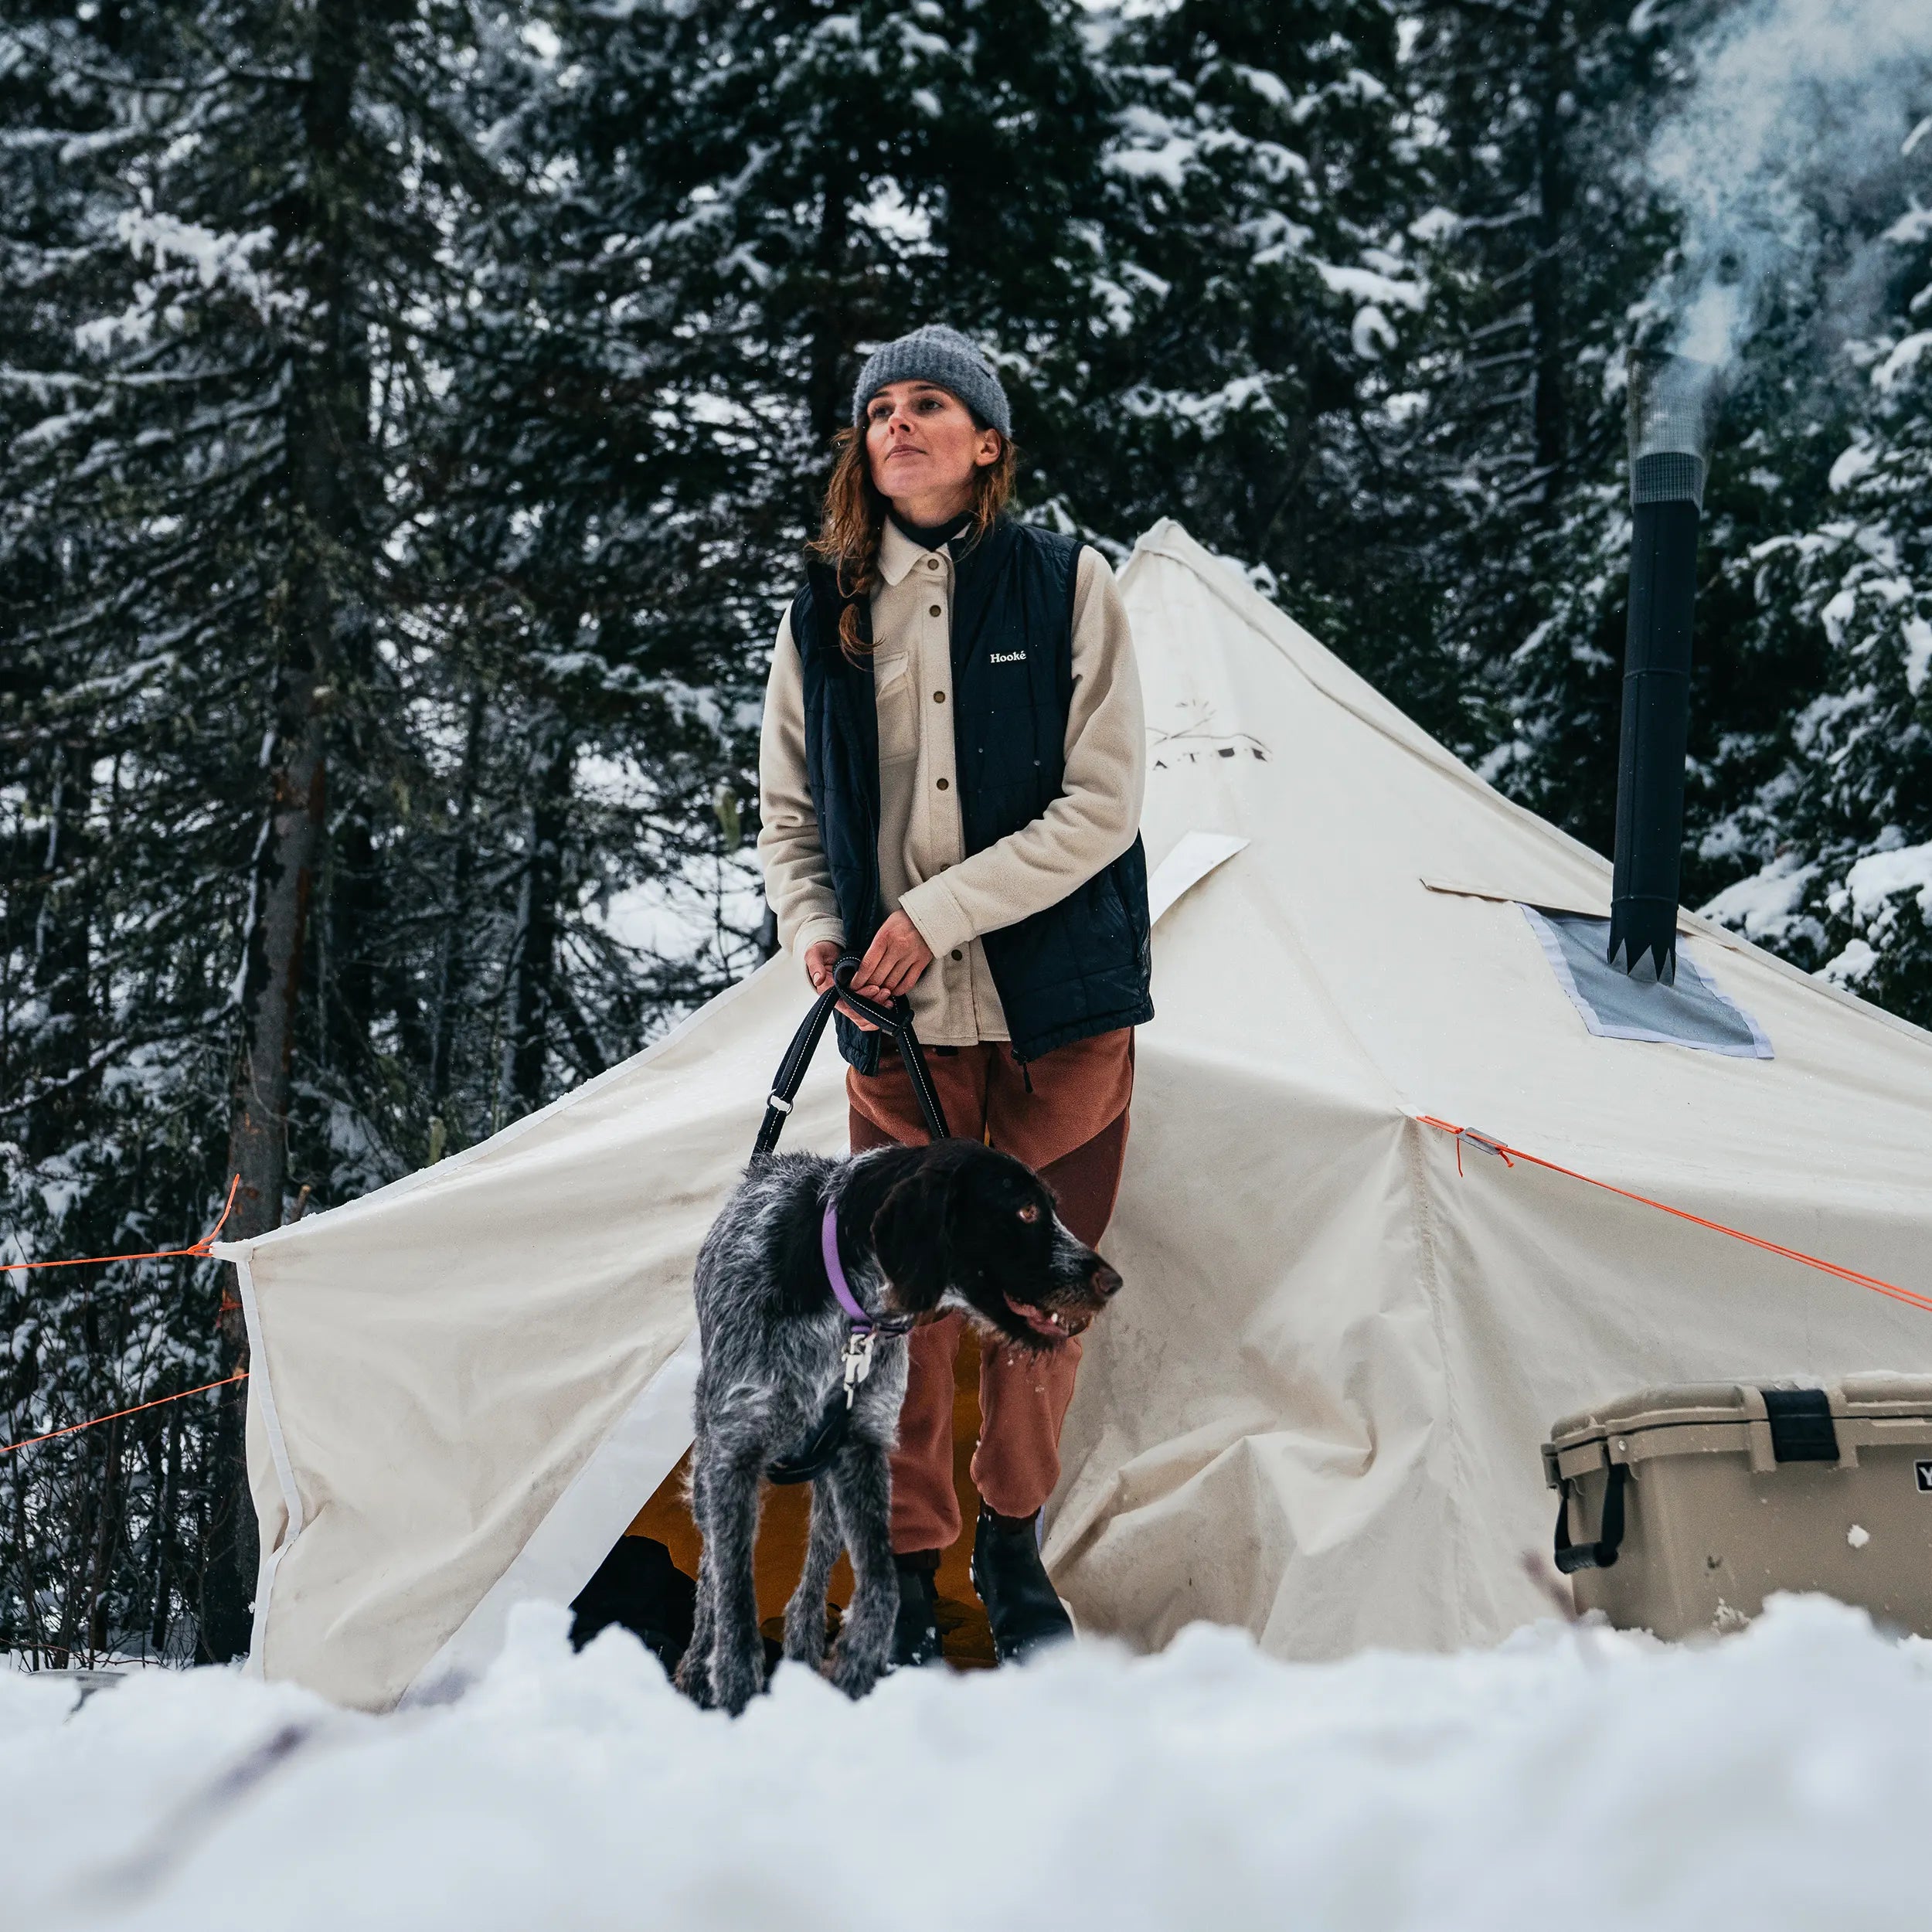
{"x": 1029, "y": 1213}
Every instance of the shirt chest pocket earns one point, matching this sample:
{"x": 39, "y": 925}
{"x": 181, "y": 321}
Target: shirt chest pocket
{"x": 892, "y": 678}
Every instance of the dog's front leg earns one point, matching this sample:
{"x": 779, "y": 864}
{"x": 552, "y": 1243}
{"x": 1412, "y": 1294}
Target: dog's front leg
{"x": 730, "y": 1544}
{"x": 805, "y": 1615}
{"x": 861, "y": 1484}
{"x": 693, "y": 1674}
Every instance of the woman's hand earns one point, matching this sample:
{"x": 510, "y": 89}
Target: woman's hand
{"x": 893, "y": 964}
{"x": 894, "y": 960}
{"x": 819, "y": 961}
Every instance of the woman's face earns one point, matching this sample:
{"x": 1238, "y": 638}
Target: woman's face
{"x": 923, "y": 447}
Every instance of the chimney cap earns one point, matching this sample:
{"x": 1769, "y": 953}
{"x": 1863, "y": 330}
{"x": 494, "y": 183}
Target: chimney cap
{"x": 1672, "y": 405}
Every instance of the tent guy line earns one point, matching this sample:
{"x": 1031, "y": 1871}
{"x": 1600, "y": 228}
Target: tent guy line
{"x": 1509, "y": 1156}
{"x": 201, "y": 1251}
{"x": 159, "y": 1402}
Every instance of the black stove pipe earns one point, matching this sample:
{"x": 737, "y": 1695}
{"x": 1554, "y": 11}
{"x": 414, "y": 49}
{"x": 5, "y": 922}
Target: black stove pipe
{"x": 1670, "y": 410}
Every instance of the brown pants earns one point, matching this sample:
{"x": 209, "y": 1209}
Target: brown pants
{"x": 1072, "y": 1130}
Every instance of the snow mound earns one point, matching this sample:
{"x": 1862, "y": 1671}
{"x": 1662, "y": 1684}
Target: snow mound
{"x": 1576, "y": 1779}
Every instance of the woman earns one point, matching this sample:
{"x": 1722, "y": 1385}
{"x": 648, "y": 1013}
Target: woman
{"x": 951, "y": 777}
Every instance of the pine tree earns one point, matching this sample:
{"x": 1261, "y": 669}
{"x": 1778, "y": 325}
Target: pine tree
{"x": 1838, "y": 832}
{"x": 1560, "y": 250}
{"x": 720, "y": 208}
{"x": 1256, "y": 293}
{"x": 1543, "y": 237}
{"x": 227, "y": 277}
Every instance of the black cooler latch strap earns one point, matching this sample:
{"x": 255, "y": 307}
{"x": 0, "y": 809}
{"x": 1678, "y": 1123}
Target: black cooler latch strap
{"x": 1600, "y": 1555}
{"x": 1801, "y": 1430}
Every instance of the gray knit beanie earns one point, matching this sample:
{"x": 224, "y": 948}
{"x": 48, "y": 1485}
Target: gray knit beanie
{"x": 935, "y": 354}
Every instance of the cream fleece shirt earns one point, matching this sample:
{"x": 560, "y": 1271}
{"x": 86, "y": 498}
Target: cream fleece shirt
{"x": 923, "y": 869}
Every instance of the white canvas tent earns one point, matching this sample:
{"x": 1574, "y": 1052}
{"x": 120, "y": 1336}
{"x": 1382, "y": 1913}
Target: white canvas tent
{"x": 1316, "y": 1408}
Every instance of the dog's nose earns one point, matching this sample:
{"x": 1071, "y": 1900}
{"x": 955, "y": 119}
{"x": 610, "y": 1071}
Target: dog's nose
{"x": 1106, "y": 1281}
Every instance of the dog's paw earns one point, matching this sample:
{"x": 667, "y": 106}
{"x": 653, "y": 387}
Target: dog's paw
{"x": 693, "y": 1677}
{"x": 735, "y": 1682}
{"x": 855, "y": 1671}
{"x": 805, "y": 1646}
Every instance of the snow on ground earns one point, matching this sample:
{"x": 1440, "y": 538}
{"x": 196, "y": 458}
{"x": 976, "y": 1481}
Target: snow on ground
{"x": 1569, "y": 1779}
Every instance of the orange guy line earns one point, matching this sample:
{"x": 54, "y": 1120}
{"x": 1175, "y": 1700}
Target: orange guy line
{"x": 199, "y": 1251}
{"x": 73, "y": 1428}
{"x": 1510, "y": 1156}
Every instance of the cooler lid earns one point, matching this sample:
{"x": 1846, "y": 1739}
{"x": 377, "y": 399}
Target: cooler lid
{"x": 1686, "y": 1404}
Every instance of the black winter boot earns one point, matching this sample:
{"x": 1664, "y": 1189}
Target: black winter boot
{"x": 915, "y": 1634}
{"x": 1021, "y": 1603}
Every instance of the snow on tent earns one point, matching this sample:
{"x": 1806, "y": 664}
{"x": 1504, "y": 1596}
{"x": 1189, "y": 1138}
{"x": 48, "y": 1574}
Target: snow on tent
{"x": 1315, "y": 1409}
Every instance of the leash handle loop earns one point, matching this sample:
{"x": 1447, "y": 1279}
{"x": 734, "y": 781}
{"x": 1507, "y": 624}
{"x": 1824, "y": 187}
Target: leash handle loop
{"x": 895, "y": 1020}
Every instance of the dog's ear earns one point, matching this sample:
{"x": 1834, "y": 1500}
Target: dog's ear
{"x": 912, "y": 1236}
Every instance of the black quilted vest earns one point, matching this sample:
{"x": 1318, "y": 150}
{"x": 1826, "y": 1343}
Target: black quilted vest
{"x": 1079, "y": 968}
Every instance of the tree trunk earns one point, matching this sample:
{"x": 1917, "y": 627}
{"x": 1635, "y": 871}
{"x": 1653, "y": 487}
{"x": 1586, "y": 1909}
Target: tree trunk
{"x": 1550, "y": 404}
{"x": 325, "y": 428}
{"x": 533, "y": 956}
{"x": 62, "y": 942}
{"x": 354, "y": 929}
{"x": 450, "y": 960}
{"x": 284, "y": 884}
{"x": 328, "y": 408}
{"x": 167, "y": 1486}
{"x": 827, "y": 400}
{"x": 107, "y": 1541}
{"x": 86, "y": 1502}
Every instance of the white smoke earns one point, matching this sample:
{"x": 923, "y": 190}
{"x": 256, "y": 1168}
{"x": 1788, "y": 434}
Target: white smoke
{"x": 1793, "y": 104}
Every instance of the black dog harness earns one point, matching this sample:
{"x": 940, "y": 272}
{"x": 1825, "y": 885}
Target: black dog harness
{"x": 813, "y": 1455}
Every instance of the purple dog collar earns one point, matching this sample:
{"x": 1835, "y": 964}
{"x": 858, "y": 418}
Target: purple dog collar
{"x": 861, "y": 1322}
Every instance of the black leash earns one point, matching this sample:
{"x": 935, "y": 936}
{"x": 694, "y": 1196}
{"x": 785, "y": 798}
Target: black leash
{"x": 895, "y": 1020}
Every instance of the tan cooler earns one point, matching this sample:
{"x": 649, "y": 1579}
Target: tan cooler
{"x": 1682, "y": 1509}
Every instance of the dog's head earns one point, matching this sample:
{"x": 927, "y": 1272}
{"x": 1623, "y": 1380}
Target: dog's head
{"x": 972, "y": 1229}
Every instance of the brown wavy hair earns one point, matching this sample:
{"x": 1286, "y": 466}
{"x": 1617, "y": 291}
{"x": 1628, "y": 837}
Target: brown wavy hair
{"x": 853, "y": 521}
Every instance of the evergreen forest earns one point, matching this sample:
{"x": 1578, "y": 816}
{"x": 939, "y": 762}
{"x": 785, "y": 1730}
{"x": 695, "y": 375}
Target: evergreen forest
{"x": 412, "y": 413}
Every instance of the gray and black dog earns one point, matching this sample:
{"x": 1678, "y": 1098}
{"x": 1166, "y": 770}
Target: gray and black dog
{"x": 920, "y": 1231}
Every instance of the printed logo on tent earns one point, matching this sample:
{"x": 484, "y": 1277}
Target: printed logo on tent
{"x": 1923, "y": 1472}
{"x": 1197, "y": 741}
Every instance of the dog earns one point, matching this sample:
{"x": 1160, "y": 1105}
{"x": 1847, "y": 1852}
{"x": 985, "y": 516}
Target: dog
{"x": 920, "y": 1232}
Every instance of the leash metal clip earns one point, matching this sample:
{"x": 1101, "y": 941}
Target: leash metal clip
{"x": 858, "y": 1346}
